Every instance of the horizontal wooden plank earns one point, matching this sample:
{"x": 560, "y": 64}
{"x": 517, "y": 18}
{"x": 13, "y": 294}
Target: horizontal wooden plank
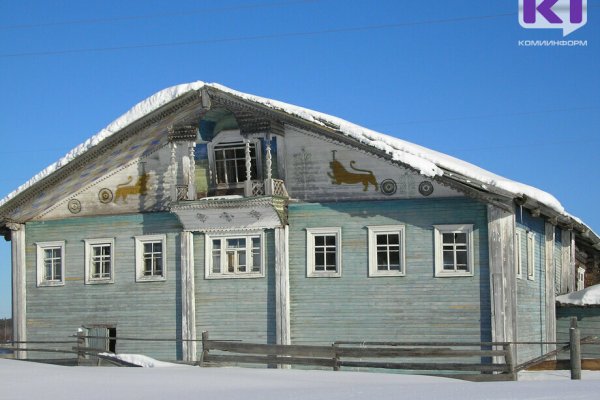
{"x": 252, "y": 359}
{"x": 426, "y": 366}
{"x": 270, "y": 349}
{"x": 423, "y": 344}
{"x": 480, "y": 377}
{"x": 376, "y": 352}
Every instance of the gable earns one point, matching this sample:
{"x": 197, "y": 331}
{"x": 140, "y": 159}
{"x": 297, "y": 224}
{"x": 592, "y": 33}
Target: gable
{"x": 321, "y": 169}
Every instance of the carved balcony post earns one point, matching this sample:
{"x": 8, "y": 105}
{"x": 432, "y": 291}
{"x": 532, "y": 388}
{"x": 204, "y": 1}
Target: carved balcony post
{"x": 183, "y": 142}
{"x": 248, "y": 183}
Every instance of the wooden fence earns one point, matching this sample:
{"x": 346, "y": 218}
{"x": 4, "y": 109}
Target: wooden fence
{"x": 476, "y": 361}
{"x": 471, "y": 361}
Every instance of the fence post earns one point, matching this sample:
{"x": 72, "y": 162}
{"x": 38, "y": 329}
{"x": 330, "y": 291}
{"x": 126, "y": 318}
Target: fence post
{"x": 575, "y": 340}
{"x": 80, "y": 346}
{"x": 336, "y": 357}
{"x": 204, "y": 347}
{"x": 509, "y": 359}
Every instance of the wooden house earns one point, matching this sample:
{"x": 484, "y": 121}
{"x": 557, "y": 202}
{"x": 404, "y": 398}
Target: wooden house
{"x": 206, "y": 209}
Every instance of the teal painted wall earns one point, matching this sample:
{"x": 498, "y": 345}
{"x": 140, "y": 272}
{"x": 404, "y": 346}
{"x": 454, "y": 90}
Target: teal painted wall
{"x": 531, "y": 293}
{"x": 588, "y": 321}
{"x": 417, "y": 306}
{"x": 238, "y": 309}
{"x": 148, "y": 309}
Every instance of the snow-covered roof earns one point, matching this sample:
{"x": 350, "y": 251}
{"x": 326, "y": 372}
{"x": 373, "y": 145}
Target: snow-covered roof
{"x": 586, "y": 297}
{"x": 428, "y": 162}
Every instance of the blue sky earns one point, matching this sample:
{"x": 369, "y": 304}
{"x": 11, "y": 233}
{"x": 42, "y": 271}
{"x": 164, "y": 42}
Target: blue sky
{"x": 448, "y": 75}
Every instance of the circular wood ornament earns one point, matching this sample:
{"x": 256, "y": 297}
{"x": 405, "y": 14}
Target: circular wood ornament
{"x": 74, "y": 206}
{"x": 105, "y": 196}
{"x": 388, "y": 187}
{"x": 425, "y": 188}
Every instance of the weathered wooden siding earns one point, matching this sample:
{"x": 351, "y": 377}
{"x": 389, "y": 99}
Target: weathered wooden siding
{"x": 240, "y": 309}
{"x": 147, "y": 309}
{"x": 417, "y": 306}
{"x": 531, "y": 316}
{"x": 557, "y": 259}
{"x": 588, "y": 321}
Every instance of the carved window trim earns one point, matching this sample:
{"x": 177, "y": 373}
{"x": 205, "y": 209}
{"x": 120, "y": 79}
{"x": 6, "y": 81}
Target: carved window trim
{"x": 519, "y": 254}
{"x": 453, "y": 248}
{"x": 91, "y": 259}
{"x": 141, "y": 253}
{"x": 227, "y": 250}
{"x": 57, "y": 279}
{"x": 317, "y": 248}
{"x": 375, "y": 248}
{"x": 531, "y": 261}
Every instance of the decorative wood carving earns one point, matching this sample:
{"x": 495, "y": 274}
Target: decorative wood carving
{"x": 339, "y": 174}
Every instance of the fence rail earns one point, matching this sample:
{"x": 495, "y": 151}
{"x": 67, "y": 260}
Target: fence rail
{"x": 466, "y": 360}
{"x": 380, "y": 355}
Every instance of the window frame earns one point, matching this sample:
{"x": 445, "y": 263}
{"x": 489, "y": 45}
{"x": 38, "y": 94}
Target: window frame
{"x": 439, "y": 230}
{"x": 140, "y": 241}
{"x": 311, "y": 233}
{"x": 232, "y": 137}
{"x": 89, "y": 245}
{"x": 580, "y": 280}
{"x": 40, "y": 263}
{"x": 531, "y": 256}
{"x": 224, "y": 236}
{"x": 519, "y": 254}
{"x": 373, "y": 232}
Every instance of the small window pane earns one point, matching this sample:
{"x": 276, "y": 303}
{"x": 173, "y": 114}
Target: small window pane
{"x": 448, "y": 260}
{"x": 382, "y": 239}
{"x": 330, "y": 240}
{"x": 319, "y": 240}
{"x": 394, "y": 239}
{"x": 448, "y": 238}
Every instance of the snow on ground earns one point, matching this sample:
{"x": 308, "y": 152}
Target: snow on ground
{"x": 140, "y": 360}
{"x": 585, "y": 297}
{"x": 25, "y": 380}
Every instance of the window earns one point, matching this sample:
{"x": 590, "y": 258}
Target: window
{"x": 324, "y": 255}
{"x": 150, "y": 258}
{"x": 234, "y": 256}
{"x": 580, "y": 278}
{"x": 227, "y": 156}
{"x": 453, "y": 250}
{"x": 101, "y": 338}
{"x": 519, "y": 254}
{"x": 530, "y": 256}
{"x": 50, "y": 263}
{"x": 386, "y": 250}
{"x": 99, "y": 261}
{"x": 230, "y": 162}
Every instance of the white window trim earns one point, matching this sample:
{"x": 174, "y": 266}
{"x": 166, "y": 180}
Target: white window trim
{"x": 230, "y": 136}
{"x": 580, "y": 285}
{"x": 373, "y": 231}
{"x": 248, "y": 235}
{"x": 519, "y": 254}
{"x": 88, "y": 254}
{"x": 40, "y": 247}
{"x": 139, "y": 257}
{"x": 310, "y": 252}
{"x": 439, "y": 259}
{"x": 531, "y": 256}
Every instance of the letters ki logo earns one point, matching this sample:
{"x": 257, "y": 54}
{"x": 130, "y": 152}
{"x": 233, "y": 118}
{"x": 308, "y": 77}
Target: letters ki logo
{"x": 568, "y": 15}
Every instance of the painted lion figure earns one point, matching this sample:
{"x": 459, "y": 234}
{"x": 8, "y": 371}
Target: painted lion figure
{"x": 342, "y": 175}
